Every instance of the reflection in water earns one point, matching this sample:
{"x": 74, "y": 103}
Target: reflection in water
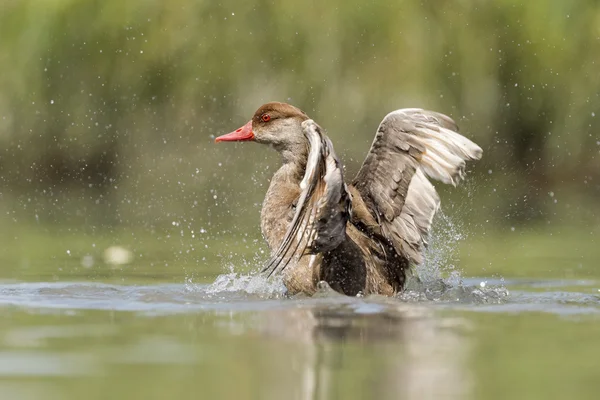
{"x": 384, "y": 351}
{"x": 58, "y": 340}
{"x": 325, "y": 347}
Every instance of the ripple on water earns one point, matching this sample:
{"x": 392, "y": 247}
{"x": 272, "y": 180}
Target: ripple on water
{"x": 441, "y": 291}
{"x": 234, "y": 292}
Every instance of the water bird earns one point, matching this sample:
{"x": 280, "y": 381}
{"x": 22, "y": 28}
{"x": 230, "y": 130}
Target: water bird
{"x": 361, "y": 237}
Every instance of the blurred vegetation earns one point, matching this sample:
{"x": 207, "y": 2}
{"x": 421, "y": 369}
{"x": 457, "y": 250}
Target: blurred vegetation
{"x": 108, "y": 108}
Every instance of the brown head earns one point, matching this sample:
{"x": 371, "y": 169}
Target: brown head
{"x": 277, "y": 124}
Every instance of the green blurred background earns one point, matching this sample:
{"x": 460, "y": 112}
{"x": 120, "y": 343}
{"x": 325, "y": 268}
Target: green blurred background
{"x": 108, "y": 111}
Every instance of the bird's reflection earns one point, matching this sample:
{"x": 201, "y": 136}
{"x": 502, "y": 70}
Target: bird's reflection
{"x": 365, "y": 349}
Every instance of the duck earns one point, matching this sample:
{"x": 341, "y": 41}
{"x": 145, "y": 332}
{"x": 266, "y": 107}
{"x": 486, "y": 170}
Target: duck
{"x": 361, "y": 236}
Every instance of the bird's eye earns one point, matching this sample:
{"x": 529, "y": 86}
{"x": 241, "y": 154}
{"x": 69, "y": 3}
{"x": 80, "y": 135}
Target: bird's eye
{"x": 265, "y": 118}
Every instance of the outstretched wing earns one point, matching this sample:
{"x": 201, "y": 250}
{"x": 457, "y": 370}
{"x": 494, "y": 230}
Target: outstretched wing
{"x": 411, "y": 145}
{"x": 319, "y": 223}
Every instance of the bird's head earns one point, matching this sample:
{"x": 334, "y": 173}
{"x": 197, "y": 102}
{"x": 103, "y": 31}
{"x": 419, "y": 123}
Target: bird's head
{"x": 276, "y": 124}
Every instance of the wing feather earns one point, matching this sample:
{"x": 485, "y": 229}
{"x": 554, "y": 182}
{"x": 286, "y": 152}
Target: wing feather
{"x": 319, "y": 223}
{"x": 411, "y": 145}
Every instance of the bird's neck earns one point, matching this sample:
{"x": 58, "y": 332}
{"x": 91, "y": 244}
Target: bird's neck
{"x": 294, "y": 156}
{"x": 283, "y": 193}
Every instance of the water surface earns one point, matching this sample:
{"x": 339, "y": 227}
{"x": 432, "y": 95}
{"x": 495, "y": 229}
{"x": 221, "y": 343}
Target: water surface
{"x": 241, "y": 337}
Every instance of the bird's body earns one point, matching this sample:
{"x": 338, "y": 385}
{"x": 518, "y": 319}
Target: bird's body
{"x": 347, "y": 266}
{"x": 360, "y": 237}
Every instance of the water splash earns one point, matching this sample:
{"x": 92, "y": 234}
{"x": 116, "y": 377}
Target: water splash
{"x": 441, "y": 254}
{"x": 251, "y": 283}
{"x": 440, "y": 291}
{"x": 439, "y": 279}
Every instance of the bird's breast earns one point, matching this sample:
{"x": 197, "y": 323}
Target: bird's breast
{"x": 277, "y": 211}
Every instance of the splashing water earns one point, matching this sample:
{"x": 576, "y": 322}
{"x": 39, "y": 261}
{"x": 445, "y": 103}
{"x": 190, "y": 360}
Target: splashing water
{"x": 437, "y": 279}
{"x": 251, "y": 283}
{"x": 441, "y": 254}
